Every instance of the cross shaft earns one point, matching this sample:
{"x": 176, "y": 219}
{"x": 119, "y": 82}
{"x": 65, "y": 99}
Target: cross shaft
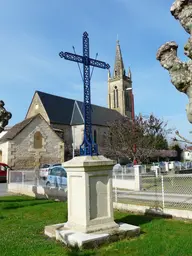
{"x": 88, "y": 147}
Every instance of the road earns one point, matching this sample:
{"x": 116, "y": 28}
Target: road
{"x": 151, "y": 196}
{"x": 3, "y": 189}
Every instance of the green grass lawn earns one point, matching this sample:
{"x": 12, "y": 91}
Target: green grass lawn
{"x": 22, "y": 221}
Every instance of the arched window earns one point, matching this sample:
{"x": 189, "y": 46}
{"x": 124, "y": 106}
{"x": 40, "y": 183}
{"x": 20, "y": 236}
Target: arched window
{"x": 95, "y": 136}
{"x": 38, "y": 140}
{"x": 115, "y": 97}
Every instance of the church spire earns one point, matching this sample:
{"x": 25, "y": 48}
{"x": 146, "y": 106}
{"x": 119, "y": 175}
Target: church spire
{"x": 109, "y": 74}
{"x": 119, "y": 67}
{"x": 129, "y": 74}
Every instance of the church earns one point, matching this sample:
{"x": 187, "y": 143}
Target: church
{"x": 53, "y": 128}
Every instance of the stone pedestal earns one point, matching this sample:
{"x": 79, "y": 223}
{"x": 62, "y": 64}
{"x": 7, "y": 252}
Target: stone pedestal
{"x": 90, "y": 204}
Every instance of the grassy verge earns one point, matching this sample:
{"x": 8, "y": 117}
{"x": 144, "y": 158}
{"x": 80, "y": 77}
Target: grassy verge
{"x": 22, "y": 221}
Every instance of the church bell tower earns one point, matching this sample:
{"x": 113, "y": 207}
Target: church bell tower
{"x": 120, "y": 96}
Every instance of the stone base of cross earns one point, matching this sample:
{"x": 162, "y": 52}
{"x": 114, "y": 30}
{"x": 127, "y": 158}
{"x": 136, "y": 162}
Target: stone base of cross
{"x": 90, "y": 205}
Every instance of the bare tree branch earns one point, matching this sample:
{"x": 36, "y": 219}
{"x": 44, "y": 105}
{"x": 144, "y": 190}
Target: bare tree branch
{"x": 142, "y": 134}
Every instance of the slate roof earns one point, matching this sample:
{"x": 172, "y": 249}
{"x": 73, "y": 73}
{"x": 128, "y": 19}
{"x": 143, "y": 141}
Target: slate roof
{"x": 100, "y": 115}
{"x": 59, "y": 109}
{"x": 68, "y": 111}
{"x": 16, "y": 129}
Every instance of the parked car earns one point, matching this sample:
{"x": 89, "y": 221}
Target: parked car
{"x": 175, "y": 165}
{"x": 3, "y": 171}
{"x": 172, "y": 165}
{"x": 44, "y": 170}
{"x": 161, "y": 166}
{"x": 129, "y": 165}
{"x": 57, "y": 177}
{"x": 117, "y": 168}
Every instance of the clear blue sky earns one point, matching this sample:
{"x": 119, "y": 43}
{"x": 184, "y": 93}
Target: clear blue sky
{"x": 32, "y": 33}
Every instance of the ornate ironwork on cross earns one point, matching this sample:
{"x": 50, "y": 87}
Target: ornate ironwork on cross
{"x": 4, "y": 116}
{"x": 88, "y": 147}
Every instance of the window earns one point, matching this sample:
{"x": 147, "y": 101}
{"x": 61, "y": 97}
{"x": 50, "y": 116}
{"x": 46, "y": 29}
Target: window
{"x": 2, "y": 168}
{"x": 55, "y": 171}
{"x": 38, "y": 140}
{"x": 95, "y": 136}
{"x": 63, "y": 173}
{"x": 52, "y": 171}
{"x": 114, "y": 105}
{"x": 115, "y": 97}
{"x": 56, "y": 164}
{"x": 44, "y": 165}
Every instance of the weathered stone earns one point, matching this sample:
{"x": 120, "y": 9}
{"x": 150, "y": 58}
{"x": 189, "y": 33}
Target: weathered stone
{"x": 90, "y": 208}
{"x": 19, "y": 152}
{"x": 180, "y": 72}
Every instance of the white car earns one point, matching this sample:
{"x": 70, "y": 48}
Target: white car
{"x": 44, "y": 170}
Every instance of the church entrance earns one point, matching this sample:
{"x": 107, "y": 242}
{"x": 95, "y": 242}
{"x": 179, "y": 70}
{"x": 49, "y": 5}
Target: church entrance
{"x": 0, "y": 156}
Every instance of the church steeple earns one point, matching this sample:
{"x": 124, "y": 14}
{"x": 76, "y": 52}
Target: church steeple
{"x": 119, "y": 87}
{"x": 129, "y": 74}
{"x": 119, "y": 67}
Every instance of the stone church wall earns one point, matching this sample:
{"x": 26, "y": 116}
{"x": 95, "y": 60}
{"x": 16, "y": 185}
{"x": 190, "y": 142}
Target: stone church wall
{"x": 37, "y": 107}
{"x": 100, "y": 134}
{"x": 65, "y": 133}
{"x": 24, "y": 155}
{"x": 78, "y": 132}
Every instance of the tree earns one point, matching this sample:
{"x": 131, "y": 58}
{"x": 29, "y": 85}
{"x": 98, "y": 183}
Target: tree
{"x": 179, "y": 150}
{"x": 136, "y": 139}
{"x": 161, "y": 142}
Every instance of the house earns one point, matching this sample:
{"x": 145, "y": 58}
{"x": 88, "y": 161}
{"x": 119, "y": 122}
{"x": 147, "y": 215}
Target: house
{"x": 187, "y": 154}
{"x": 31, "y": 141}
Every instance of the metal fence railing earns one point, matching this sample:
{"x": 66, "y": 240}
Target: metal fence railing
{"x": 165, "y": 191}
{"x": 129, "y": 187}
{"x": 22, "y": 176}
{"x": 31, "y": 177}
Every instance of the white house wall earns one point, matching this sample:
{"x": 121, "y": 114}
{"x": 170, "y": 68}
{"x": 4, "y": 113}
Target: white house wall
{"x": 187, "y": 156}
{"x": 4, "y": 148}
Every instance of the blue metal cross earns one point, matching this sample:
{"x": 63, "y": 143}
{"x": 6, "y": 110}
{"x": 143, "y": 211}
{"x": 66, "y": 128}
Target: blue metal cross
{"x": 88, "y": 147}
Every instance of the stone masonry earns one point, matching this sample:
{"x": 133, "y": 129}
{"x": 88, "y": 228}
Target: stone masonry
{"x": 22, "y": 153}
{"x": 118, "y": 96}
